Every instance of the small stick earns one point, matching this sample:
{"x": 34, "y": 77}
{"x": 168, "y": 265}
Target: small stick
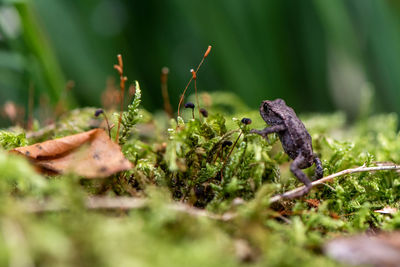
{"x": 293, "y": 192}
{"x": 123, "y": 79}
{"x": 125, "y": 203}
{"x": 164, "y": 91}
{"x": 128, "y": 203}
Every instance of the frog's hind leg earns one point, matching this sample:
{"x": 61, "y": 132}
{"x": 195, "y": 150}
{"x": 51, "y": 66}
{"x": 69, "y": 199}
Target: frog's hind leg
{"x": 319, "y": 170}
{"x": 295, "y": 168}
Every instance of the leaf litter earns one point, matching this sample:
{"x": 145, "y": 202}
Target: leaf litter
{"x": 90, "y": 154}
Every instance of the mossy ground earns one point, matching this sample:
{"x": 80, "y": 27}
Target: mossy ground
{"x": 186, "y": 161}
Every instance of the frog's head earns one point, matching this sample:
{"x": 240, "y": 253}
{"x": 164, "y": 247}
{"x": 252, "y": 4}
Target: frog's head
{"x": 272, "y": 110}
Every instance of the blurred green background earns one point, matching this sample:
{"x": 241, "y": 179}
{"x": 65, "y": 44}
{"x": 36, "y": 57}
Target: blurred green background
{"x": 318, "y": 55}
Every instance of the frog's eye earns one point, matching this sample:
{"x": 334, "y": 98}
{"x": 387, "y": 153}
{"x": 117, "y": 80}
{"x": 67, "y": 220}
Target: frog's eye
{"x": 266, "y": 107}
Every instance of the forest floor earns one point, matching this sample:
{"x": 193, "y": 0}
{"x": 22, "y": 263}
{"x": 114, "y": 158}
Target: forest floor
{"x": 196, "y": 191}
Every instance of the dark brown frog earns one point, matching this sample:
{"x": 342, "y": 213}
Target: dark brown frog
{"x": 295, "y": 139}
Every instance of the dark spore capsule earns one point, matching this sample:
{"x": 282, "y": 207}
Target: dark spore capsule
{"x": 98, "y": 112}
{"x": 226, "y": 143}
{"x": 189, "y": 105}
{"x": 246, "y": 121}
{"x": 204, "y": 112}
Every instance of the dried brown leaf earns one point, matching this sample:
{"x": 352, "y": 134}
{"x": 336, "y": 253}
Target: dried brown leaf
{"x": 90, "y": 154}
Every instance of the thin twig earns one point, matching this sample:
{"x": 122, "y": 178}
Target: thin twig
{"x": 125, "y": 203}
{"x": 293, "y": 192}
{"x": 129, "y": 203}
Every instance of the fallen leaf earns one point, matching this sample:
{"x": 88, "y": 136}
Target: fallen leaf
{"x": 377, "y": 250}
{"x": 90, "y": 154}
{"x": 387, "y": 210}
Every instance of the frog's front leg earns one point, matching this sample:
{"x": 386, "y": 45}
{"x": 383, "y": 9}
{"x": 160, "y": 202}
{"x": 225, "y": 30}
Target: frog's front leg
{"x": 268, "y": 130}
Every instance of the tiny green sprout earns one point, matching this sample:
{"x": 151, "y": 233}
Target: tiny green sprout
{"x": 191, "y": 106}
{"x": 132, "y": 116}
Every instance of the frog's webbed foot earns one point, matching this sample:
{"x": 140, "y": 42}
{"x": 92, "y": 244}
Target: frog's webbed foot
{"x": 319, "y": 170}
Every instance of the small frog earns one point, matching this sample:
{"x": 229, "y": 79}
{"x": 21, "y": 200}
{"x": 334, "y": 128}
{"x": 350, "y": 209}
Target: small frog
{"x": 295, "y": 139}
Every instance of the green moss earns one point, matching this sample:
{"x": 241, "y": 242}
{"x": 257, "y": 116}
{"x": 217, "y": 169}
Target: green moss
{"x": 9, "y": 140}
{"x": 131, "y": 116}
{"x": 18, "y": 178}
{"x": 186, "y": 162}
